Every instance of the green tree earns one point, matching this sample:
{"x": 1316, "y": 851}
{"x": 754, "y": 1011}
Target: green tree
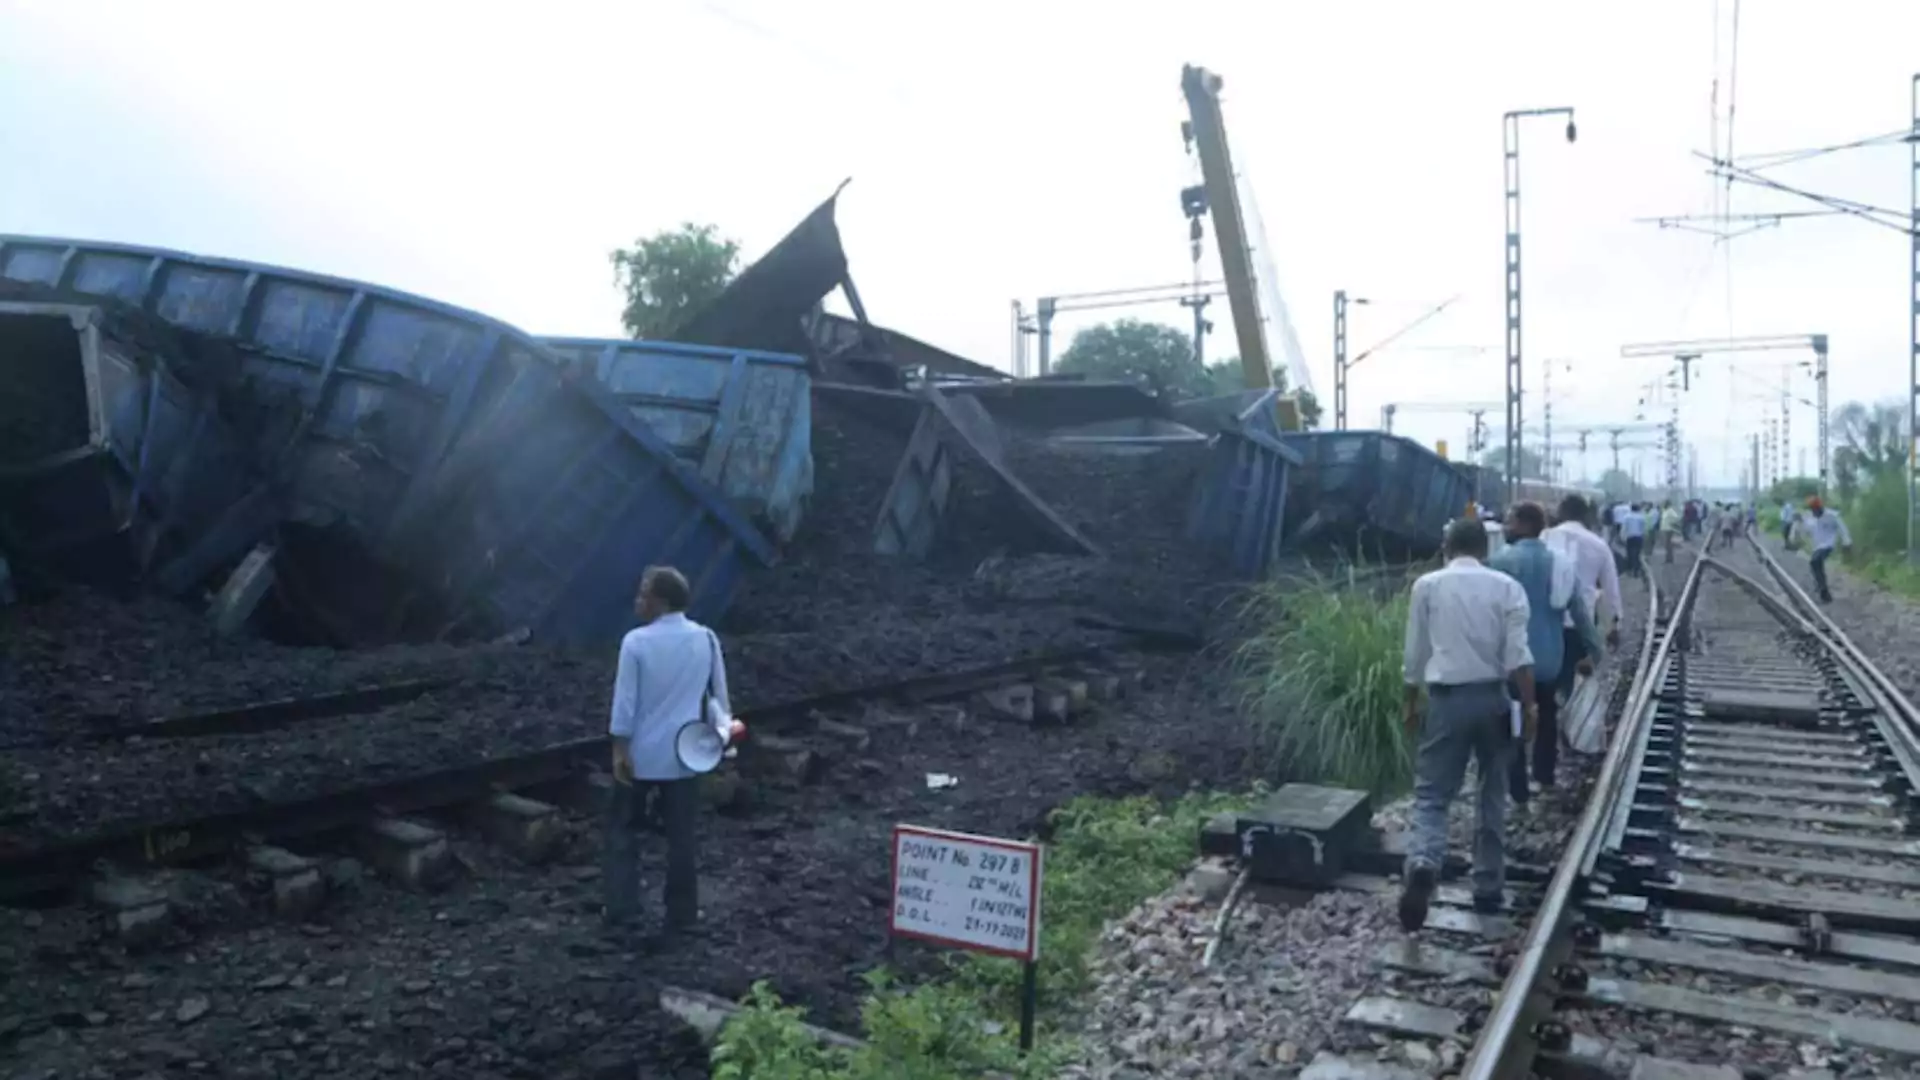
{"x": 1793, "y": 489}
{"x": 671, "y": 275}
{"x": 1129, "y": 350}
{"x": 1229, "y": 376}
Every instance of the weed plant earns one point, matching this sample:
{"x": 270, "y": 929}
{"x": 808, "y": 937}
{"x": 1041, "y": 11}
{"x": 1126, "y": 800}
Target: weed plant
{"x": 1321, "y": 680}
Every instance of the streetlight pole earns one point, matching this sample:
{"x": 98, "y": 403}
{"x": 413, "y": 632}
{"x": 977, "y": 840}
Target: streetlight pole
{"x": 1514, "y": 380}
{"x": 1340, "y": 303}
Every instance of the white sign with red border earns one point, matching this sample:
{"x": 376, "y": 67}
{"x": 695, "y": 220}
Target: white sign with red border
{"x": 968, "y": 892}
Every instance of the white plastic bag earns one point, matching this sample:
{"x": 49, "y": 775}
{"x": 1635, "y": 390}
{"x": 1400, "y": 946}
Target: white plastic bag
{"x": 1585, "y": 718}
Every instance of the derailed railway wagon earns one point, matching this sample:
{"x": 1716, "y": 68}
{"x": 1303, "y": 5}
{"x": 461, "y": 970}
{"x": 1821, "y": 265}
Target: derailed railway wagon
{"x": 444, "y": 473}
{"x": 1372, "y": 492}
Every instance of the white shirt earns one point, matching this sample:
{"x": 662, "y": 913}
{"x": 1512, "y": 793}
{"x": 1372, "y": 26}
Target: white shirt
{"x": 1592, "y": 561}
{"x": 1466, "y": 624}
{"x": 1619, "y": 513}
{"x": 1826, "y": 529}
{"x": 666, "y": 667}
{"x": 1633, "y": 524}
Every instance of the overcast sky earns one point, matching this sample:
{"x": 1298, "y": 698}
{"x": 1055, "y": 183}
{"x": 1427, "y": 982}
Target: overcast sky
{"x": 491, "y": 155}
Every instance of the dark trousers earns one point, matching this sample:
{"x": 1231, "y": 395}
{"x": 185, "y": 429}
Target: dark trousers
{"x": 1546, "y": 743}
{"x": 1634, "y": 546}
{"x": 1818, "y": 562}
{"x": 630, "y": 809}
{"x": 1575, "y": 648}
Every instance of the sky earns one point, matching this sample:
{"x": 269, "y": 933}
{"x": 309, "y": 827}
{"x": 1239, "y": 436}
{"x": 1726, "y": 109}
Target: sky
{"x": 492, "y": 155}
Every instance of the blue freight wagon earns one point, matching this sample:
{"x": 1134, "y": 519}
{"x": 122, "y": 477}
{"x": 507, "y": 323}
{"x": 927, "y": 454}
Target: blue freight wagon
{"x": 413, "y": 413}
{"x": 741, "y": 416}
{"x": 1240, "y": 502}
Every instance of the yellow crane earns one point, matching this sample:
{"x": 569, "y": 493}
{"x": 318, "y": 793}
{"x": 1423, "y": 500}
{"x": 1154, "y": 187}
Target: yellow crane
{"x": 1206, "y": 134}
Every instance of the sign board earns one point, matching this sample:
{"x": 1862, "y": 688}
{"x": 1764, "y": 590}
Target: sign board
{"x": 969, "y": 892}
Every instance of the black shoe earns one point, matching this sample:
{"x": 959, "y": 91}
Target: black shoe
{"x": 1416, "y": 896}
{"x": 1489, "y": 903}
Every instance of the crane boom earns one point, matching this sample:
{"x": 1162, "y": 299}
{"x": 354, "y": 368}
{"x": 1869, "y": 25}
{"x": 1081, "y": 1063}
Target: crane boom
{"x": 1208, "y": 133}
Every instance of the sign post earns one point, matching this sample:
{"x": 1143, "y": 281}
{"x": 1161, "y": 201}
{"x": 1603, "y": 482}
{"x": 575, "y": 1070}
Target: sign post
{"x": 971, "y": 892}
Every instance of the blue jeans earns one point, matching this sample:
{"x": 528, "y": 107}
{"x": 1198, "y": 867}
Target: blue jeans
{"x": 1818, "y": 563}
{"x": 1463, "y": 723}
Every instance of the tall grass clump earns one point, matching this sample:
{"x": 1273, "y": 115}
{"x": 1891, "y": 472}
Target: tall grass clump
{"x": 1320, "y": 677}
{"x": 1877, "y": 520}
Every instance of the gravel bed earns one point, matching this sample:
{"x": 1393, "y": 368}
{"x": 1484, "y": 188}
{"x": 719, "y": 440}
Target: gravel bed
{"x": 1630, "y": 1034}
{"x": 505, "y": 975}
{"x": 1883, "y": 624}
{"x": 1283, "y": 982}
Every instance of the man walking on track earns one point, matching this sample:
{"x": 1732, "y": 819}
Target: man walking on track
{"x": 1826, "y": 529}
{"x": 669, "y": 668}
{"x": 1633, "y": 530}
{"x": 1599, "y": 579}
{"x": 1552, "y": 584}
{"x": 1466, "y": 640}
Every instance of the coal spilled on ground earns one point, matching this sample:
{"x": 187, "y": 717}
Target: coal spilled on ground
{"x": 506, "y": 975}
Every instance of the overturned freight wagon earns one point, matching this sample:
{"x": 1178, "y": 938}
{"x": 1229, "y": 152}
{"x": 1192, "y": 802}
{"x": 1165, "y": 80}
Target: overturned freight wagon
{"x": 116, "y": 460}
{"x": 444, "y": 473}
{"x": 1372, "y": 492}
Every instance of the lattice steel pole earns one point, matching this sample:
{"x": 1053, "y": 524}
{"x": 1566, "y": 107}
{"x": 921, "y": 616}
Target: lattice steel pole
{"x": 1673, "y": 435}
{"x": 1913, "y": 321}
{"x": 1515, "y": 380}
{"x": 1786, "y": 420}
{"x": 1820, "y": 403}
{"x": 1340, "y": 360}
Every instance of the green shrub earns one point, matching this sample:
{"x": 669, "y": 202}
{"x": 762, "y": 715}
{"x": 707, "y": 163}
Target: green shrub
{"x": 1321, "y": 680}
{"x": 1104, "y": 857}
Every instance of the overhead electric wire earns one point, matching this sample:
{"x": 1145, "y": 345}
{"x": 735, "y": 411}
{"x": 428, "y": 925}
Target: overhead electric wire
{"x": 1891, "y": 219}
{"x": 1775, "y": 158}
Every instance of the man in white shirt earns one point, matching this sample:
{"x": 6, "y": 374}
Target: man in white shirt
{"x": 1599, "y": 579}
{"x": 1466, "y": 638}
{"x": 1633, "y": 530}
{"x": 668, "y": 668}
{"x": 1825, "y": 529}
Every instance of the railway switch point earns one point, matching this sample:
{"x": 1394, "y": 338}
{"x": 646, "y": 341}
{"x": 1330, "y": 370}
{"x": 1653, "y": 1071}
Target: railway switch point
{"x": 408, "y": 852}
{"x": 139, "y": 912}
{"x": 295, "y": 883}
{"x": 529, "y": 829}
{"x": 1009, "y": 703}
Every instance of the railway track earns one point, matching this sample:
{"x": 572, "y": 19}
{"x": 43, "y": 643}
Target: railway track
{"x": 1741, "y": 896}
{"x": 507, "y": 793}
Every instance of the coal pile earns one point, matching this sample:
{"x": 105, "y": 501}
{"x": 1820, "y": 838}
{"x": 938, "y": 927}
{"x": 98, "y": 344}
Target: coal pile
{"x": 82, "y": 659}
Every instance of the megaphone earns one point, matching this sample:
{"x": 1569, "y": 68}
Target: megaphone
{"x": 700, "y": 747}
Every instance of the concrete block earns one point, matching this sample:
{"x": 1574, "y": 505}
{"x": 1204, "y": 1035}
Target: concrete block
{"x": 585, "y": 793}
{"x": 1008, "y": 703}
{"x": 1210, "y": 880}
{"x": 297, "y": 886}
{"x": 1078, "y": 693}
{"x": 949, "y": 717}
{"x": 890, "y": 726}
{"x": 245, "y": 588}
{"x": 1052, "y": 702}
{"x": 139, "y": 912}
{"x": 783, "y": 759}
{"x": 530, "y": 829}
{"x": 851, "y": 736}
{"x": 409, "y": 853}
{"x": 1102, "y": 685}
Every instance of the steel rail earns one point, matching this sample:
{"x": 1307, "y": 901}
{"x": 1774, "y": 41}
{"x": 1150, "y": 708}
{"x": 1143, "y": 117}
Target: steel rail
{"x": 1499, "y": 1053}
{"x": 1896, "y": 717}
{"x": 171, "y": 841}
